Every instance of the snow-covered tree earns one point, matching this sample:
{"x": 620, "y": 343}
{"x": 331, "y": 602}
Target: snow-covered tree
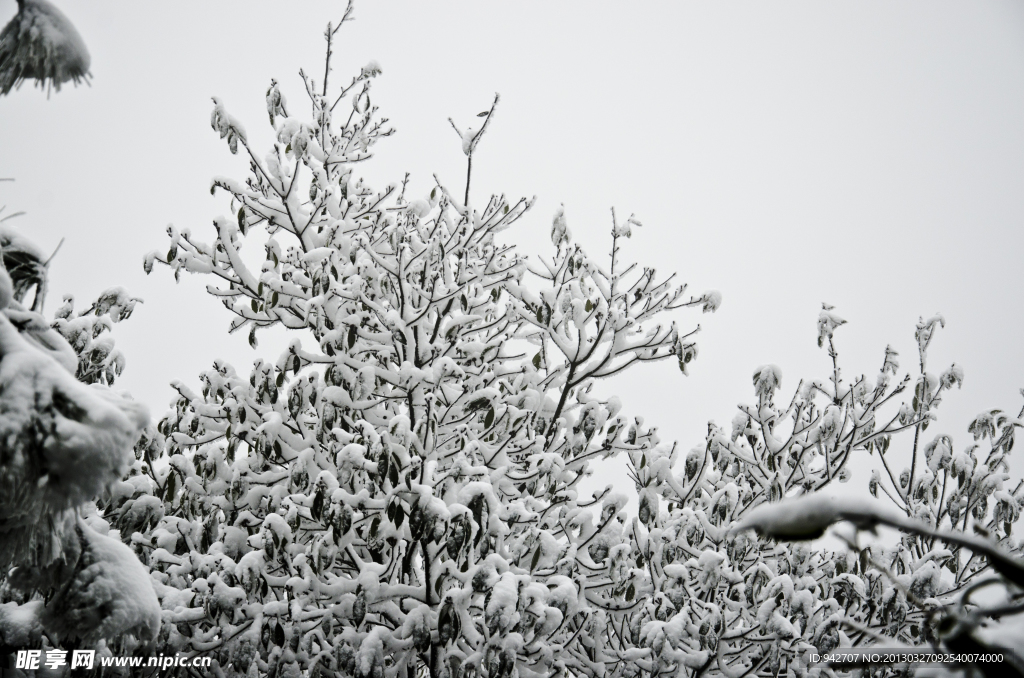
{"x": 63, "y": 579}
{"x": 398, "y": 493}
{"x": 723, "y": 601}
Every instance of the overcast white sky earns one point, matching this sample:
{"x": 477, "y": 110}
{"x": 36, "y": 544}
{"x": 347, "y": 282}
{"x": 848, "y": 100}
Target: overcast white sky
{"x": 867, "y": 154}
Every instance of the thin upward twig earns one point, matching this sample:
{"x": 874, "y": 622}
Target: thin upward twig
{"x": 474, "y": 140}
{"x": 329, "y": 35}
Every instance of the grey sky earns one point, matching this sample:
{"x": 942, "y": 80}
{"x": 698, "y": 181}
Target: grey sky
{"x": 867, "y": 154}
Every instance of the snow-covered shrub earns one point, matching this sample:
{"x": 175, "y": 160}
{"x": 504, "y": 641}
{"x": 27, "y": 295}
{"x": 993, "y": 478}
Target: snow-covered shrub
{"x": 724, "y": 601}
{"x": 398, "y": 490}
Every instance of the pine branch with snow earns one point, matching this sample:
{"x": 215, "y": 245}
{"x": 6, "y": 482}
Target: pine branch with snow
{"x": 62, "y": 443}
{"x": 41, "y": 44}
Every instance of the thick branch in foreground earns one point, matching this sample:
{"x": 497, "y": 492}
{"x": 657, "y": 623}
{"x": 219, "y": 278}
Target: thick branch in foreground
{"x": 808, "y": 517}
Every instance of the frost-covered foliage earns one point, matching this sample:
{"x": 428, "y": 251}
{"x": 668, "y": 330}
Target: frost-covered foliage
{"x": 40, "y": 44}
{"x": 62, "y": 442}
{"x": 398, "y": 491}
{"x": 724, "y": 601}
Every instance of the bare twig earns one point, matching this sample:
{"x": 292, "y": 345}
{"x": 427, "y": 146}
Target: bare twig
{"x": 329, "y": 36}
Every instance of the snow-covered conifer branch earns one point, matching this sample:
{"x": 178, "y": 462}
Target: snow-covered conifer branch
{"x": 63, "y": 442}
{"x": 41, "y": 44}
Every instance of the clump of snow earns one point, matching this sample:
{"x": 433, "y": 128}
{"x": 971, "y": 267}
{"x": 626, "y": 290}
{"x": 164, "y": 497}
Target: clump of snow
{"x": 625, "y": 229}
{"x": 420, "y": 208}
{"x": 560, "y": 232}
{"x": 372, "y": 69}
{"x": 767, "y": 378}
{"x": 467, "y": 140}
{"x": 226, "y": 126}
{"x": 115, "y": 302}
{"x": 809, "y": 516}
{"x": 827, "y": 324}
{"x": 19, "y": 624}
{"x": 36, "y": 330}
{"x": 712, "y": 301}
{"x": 110, "y": 594}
